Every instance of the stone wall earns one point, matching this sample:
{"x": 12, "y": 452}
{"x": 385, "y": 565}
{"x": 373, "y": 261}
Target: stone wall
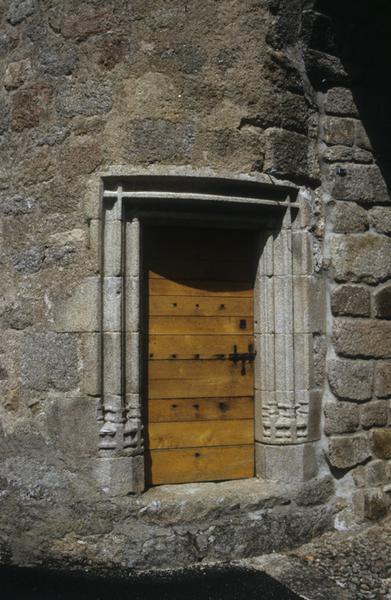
{"x": 260, "y": 88}
{"x": 354, "y": 174}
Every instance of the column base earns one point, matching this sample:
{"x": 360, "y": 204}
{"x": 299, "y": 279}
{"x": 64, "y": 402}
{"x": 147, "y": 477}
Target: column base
{"x": 290, "y": 463}
{"x": 120, "y": 476}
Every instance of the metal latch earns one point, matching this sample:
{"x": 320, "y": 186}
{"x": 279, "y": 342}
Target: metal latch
{"x": 242, "y": 357}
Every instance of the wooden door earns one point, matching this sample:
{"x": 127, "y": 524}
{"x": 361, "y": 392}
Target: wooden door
{"x": 199, "y": 381}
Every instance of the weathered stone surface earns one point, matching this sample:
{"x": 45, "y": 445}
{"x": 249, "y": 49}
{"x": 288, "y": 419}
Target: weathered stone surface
{"x": 365, "y": 338}
{"x": 351, "y": 379}
{"x": 382, "y": 302}
{"x": 17, "y": 73}
{"x": 78, "y": 309}
{"x": 320, "y": 351}
{"x": 361, "y": 183}
{"x": 381, "y": 443}
{"x": 349, "y": 217}
{"x": 351, "y": 300}
{"x": 340, "y": 101}
{"x": 294, "y": 107}
{"x": 81, "y": 158}
{"x": 87, "y": 125}
{"x": 286, "y": 152}
{"x": 56, "y": 60}
{"x": 19, "y": 10}
{"x": 116, "y": 48}
{"x": 315, "y": 491}
{"x": 112, "y": 304}
{"x": 33, "y": 259}
{"x": 154, "y": 139}
{"x": 290, "y": 463}
{"x": 29, "y": 106}
{"x": 91, "y": 360}
{"x": 347, "y": 451}
{"x": 374, "y": 414}
{"x": 285, "y": 111}
{"x": 322, "y": 66}
{"x": 341, "y": 417}
{"x": 380, "y": 218}
{"x": 30, "y": 260}
{"x": 36, "y": 30}
{"x": 361, "y": 139}
{"x": 120, "y": 476}
{"x": 50, "y": 361}
{"x": 4, "y": 117}
{"x": 49, "y": 137}
{"x": 365, "y": 258}
{"x": 73, "y": 426}
{"x": 15, "y": 204}
{"x": 334, "y": 154}
{"x": 85, "y": 22}
{"x": 17, "y": 315}
{"x": 338, "y": 131}
{"x": 88, "y": 98}
{"x": 371, "y": 504}
{"x": 373, "y": 474}
{"x": 8, "y": 41}
{"x": 383, "y": 379}
{"x": 59, "y": 255}
{"x": 190, "y": 59}
{"x": 225, "y": 521}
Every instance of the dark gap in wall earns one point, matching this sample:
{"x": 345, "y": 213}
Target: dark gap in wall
{"x": 213, "y": 583}
{"x": 339, "y": 473}
{"x": 363, "y": 43}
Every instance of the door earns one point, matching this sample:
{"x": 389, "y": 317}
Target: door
{"x": 200, "y": 376}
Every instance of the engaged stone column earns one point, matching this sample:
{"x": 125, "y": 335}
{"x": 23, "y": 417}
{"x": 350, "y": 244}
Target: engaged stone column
{"x": 111, "y": 432}
{"x": 133, "y": 434}
{"x": 121, "y": 467}
{"x": 289, "y": 312}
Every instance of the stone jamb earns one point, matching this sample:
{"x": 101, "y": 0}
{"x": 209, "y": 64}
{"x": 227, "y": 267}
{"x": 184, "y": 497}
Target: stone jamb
{"x": 288, "y": 311}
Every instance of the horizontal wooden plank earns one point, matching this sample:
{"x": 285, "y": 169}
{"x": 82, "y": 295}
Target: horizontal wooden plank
{"x": 201, "y": 409}
{"x": 201, "y": 269}
{"x": 166, "y": 287}
{"x": 219, "y": 370}
{"x": 188, "y": 346}
{"x": 200, "y": 306}
{"x": 240, "y": 385}
{"x": 200, "y": 464}
{"x": 219, "y": 325}
{"x": 188, "y": 434}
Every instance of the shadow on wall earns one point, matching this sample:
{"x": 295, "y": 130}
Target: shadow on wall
{"x": 358, "y": 31}
{"x": 224, "y": 583}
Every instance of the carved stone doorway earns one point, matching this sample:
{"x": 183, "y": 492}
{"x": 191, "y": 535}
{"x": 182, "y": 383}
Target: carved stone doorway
{"x": 288, "y": 313}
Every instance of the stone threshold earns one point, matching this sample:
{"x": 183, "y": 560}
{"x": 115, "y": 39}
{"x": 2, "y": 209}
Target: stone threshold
{"x": 188, "y": 524}
{"x": 247, "y": 494}
{"x": 174, "y": 526}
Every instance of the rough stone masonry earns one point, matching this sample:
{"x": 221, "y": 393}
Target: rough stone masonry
{"x": 285, "y": 92}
